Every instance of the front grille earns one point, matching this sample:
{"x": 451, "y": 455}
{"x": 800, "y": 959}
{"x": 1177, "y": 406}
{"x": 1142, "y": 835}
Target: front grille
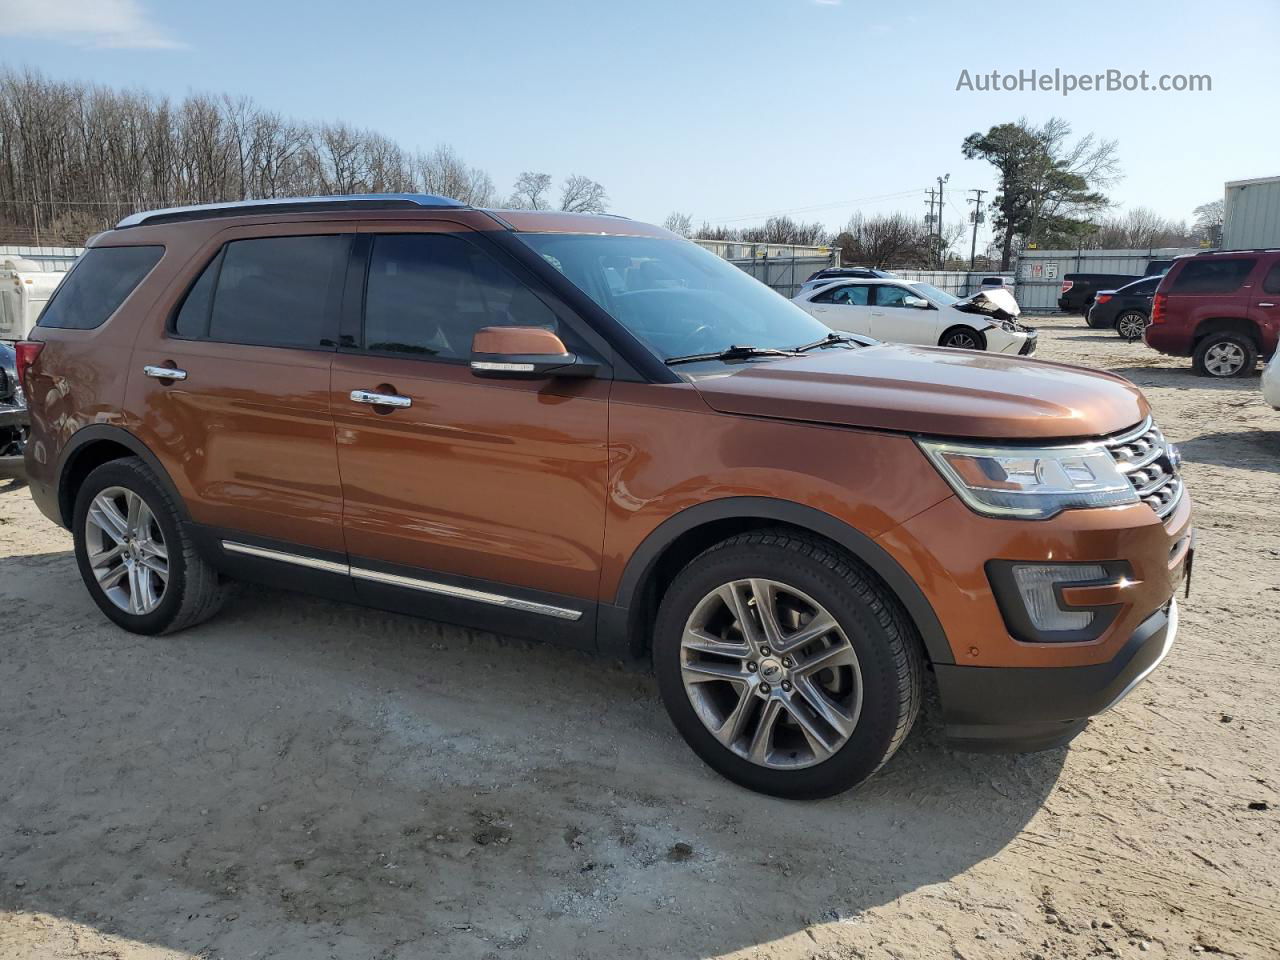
{"x": 1148, "y": 460}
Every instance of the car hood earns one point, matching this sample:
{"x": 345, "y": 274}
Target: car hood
{"x": 930, "y": 390}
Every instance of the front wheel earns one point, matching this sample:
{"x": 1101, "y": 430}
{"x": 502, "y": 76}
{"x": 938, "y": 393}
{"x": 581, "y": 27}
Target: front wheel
{"x": 963, "y": 338}
{"x": 1131, "y": 324}
{"x": 1224, "y": 355}
{"x": 785, "y": 666}
{"x": 138, "y": 563}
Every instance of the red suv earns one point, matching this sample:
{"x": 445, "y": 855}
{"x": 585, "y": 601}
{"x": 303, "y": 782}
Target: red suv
{"x": 1220, "y": 308}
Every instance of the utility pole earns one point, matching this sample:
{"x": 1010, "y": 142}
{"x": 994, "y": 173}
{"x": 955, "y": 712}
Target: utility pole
{"x": 929, "y": 220}
{"x": 977, "y": 219}
{"x": 941, "y": 252}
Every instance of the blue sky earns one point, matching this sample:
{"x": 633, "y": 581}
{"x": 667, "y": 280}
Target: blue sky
{"x": 725, "y": 109}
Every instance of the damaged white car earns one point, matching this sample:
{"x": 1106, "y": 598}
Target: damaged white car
{"x": 907, "y": 311}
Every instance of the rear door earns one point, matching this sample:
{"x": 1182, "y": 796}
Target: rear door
{"x": 1263, "y": 305}
{"x": 844, "y": 306}
{"x": 475, "y": 500}
{"x": 894, "y": 321}
{"x": 232, "y": 394}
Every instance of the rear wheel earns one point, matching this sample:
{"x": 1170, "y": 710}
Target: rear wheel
{"x": 137, "y": 562}
{"x": 784, "y": 666}
{"x": 1224, "y": 355}
{"x": 1131, "y": 324}
{"x": 963, "y": 338}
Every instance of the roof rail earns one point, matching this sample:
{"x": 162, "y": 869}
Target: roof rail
{"x": 359, "y": 201}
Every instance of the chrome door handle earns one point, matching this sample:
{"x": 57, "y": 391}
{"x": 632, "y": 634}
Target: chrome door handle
{"x": 380, "y": 399}
{"x": 164, "y": 373}
{"x": 1268, "y": 304}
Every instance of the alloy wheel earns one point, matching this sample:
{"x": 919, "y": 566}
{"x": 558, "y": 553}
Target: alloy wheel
{"x": 771, "y": 674}
{"x": 1131, "y": 326}
{"x": 1224, "y": 359}
{"x": 126, "y": 550}
{"x": 963, "y": 341}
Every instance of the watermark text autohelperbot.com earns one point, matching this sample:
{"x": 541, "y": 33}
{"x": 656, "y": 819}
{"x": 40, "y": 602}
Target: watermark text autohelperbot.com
{"x": 1066, "y": 83}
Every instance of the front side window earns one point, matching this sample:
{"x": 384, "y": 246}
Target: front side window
{"x": 887, "y": 296}
{"x": 268, "y": 291}
{"x": 427, "y": 295}
{"x": 676, "y": 297}
{"x": 97, "y": 285}
{"x": 1212, "y": 276}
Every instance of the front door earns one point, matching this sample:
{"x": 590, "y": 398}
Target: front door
{"x": 895, "y": 321}
{"x": 480, "y": 501}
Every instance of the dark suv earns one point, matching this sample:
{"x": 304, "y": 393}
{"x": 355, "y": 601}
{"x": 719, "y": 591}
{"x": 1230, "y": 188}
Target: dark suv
{"x": 1222, "y": 309}
{"x": 589, "y": 430}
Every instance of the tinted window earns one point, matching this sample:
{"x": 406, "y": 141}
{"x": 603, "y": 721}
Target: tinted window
{"x": 101, "y": 280}
{"x": 428, "y": 294}
{"x": 273, "y": 291}
{"x": 1272, "y": 282}
{"x": 1212, "y": 276}
{"x": 1141, "y": 286}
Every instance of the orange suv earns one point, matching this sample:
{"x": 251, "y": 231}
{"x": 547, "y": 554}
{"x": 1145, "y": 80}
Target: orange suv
{"x": 589, "y": 430}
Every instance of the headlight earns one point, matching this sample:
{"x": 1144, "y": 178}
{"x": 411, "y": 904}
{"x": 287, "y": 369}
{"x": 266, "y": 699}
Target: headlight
{"x": 1028, "y": 483}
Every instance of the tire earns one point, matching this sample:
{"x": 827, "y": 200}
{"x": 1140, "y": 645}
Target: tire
{"x": 874, "y": 689}
{"x": 188, "y": 593}
{"x": 1225, "y": 355}
{"x": 1131, "y": 324}
{"x": 963, "y": 338}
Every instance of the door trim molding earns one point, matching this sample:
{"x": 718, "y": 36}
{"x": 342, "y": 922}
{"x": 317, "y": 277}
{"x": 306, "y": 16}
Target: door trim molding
{"x": 398, "y": 580}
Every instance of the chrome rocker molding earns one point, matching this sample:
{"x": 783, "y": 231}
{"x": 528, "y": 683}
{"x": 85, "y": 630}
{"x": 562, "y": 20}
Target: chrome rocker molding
{"x": 411, "y": 583}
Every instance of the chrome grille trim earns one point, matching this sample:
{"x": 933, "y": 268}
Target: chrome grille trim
{"x": 1142, "y": 454}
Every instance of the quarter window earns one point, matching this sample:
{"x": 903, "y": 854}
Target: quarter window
{"x": 427, "y": 295}
{"x": 101, "y": 280}
{"x": 270, "y": 291}
{"x": 1212, "y": 276}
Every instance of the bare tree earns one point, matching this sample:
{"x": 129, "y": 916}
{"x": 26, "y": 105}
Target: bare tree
{"x": 1209, "y": 218}
{"x": 1139, "y": 228}
{"x": 581, "y": 194}
{"x": 443, "y": 172}
{"x": 530, "y": 191}
{"x": 680, "y": 223}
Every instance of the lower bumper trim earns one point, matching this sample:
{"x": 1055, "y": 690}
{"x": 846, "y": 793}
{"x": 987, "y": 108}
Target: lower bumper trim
{"x": 1037, "y": 708}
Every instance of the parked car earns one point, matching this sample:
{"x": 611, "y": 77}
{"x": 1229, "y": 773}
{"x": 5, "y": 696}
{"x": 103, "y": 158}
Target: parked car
{"x": 996, "y": 283}
{"x": 1221, "y": 308}
{"x": 413, "y": 404}
{"x": 1271, "y": 381}
{"x": 14, "y": 419}
{"x": 907, "y": 311}
{"x": 823, "y": 277}
{"x": 1126, "y": 310}
{"x": 1079, "y": 289}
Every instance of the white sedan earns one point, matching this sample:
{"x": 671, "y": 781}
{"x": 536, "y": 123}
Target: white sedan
{"x": 905, "y": 311}
{"x": 1271, "y": 380}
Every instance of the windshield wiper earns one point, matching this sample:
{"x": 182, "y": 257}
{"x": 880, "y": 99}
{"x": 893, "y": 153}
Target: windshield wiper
{"x": 732, "y": 353}
{"x": 830, "y": 340}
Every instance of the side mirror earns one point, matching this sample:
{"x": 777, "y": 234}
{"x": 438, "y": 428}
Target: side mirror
{"x": 920, "y": 303}
{"x": 524, "y": 353}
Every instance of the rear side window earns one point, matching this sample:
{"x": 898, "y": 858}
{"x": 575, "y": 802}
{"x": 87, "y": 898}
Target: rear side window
{"x": 97, "y": 286}
{"x": 1212, "y": 276}
{"x": 269, "y": 291}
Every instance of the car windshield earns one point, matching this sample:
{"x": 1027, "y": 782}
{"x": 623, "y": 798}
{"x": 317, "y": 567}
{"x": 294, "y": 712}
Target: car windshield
{"x": 676, "y": 297}
{"x": 930, "y": 292}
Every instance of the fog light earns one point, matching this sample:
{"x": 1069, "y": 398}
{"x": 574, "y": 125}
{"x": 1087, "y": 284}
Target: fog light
{"x": 1037, "y": 583}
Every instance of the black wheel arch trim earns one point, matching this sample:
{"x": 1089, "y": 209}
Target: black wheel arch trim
{"x": 99, "y": 432}
{"x": 645, "y": 558}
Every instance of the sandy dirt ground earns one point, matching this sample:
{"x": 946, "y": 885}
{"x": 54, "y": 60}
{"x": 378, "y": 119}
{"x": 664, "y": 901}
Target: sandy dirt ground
{"x": 301, "y": 779}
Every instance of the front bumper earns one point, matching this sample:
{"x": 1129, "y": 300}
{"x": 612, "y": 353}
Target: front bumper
{"x": 12, "y": 419}
{"x": 1019, "y": 709}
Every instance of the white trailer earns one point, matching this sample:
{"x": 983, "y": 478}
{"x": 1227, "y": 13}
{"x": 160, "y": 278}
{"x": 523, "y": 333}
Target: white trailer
{"x": 24, "y": 290}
